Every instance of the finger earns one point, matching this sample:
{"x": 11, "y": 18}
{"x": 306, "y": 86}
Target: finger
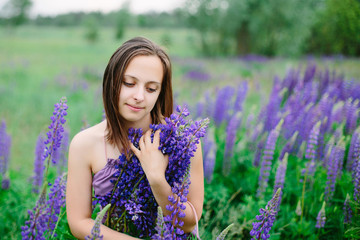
{"x": 157, "y": 138}
{"x": 147, "y": 137}
{"x": 134, "y": 149}
{"x": 141, "y": 143}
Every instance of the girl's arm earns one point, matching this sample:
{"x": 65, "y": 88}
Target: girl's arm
{"x": 79, "y": 191}
{"x": 154, "y": 164}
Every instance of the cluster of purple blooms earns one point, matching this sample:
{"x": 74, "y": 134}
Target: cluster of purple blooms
{"x": 133, "y": 207}
{"x": 44, "y": 216}
{"x": 321, "y": 217}
{"x": 264, "y": 221}
{"x": 5, "y": 144}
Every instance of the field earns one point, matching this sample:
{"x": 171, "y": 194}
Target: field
{"x": 38, "y": 66}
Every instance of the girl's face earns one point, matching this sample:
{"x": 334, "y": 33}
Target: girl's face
{"x": 140, "y": 90}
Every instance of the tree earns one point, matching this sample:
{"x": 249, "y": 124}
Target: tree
{"x": 17, "y": 11}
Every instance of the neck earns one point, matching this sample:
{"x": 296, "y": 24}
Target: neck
{"x": 144, "y": 124}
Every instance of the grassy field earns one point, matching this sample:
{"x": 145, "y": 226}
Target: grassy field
{"x": 40, "y": 65}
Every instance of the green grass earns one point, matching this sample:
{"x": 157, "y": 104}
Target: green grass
{"x": 40, "y": 65}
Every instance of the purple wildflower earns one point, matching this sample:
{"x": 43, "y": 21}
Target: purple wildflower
{"x": 240, "y": 96}
{"x": 352, "y": 114}
{"x": 197, "y": 75}
{"x": 56, "y": 129}
{"x": 265, "y": 220}
{"x": 132, "y": 193}
{"x": 354, "y": 151}
{"x": 289, "y": 145}
{"x": 5, "y": 144}
{"x": 95, "y": 231}
{"x": 209, "y": 155}
{"x": 321, "y": 217}
{"x": 162, "y": 232}
{"x": 222, "y": 104}
{"x": 347, "y": 210}
{"x": 356, "y": 178}
{"x": 62, "y": 153}
{"x": 336, "y": 156}
{"x": 231, "y": 131}
{"x": 311, "y": 151}
{"x": 173, "y": 221}
{"x": 280, "y": 175}
{"x": 38, "y": 164}
{"x": 267, "y": 159}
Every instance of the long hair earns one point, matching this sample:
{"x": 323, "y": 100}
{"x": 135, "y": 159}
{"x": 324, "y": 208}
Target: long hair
{"x": 117, "y": 134}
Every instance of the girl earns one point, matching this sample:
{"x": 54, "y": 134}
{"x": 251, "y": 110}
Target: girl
{"x": 137, "y": 92}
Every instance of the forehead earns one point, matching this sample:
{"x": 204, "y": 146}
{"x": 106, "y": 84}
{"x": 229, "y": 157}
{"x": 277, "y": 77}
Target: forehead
{"x": 145, "y": 68}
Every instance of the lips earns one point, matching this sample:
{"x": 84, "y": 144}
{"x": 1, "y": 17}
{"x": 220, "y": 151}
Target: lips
{"x": 133, "y": 108}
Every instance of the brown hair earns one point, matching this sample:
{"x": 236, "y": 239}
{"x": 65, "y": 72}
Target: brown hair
{"x": 113, "y": 76}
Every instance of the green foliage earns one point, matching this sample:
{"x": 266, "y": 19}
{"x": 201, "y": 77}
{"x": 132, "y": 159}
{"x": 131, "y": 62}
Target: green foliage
{"x": 123, "y": 17}
{"x": 92, "y": 30}
{"x": 337, "y": 29}
{"x": 17, "y": 11}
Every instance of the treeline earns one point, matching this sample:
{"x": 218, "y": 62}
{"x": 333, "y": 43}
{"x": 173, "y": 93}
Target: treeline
{"x": 233, "y": 27}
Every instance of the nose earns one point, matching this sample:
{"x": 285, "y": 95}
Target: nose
{"x": 139, "y": 94}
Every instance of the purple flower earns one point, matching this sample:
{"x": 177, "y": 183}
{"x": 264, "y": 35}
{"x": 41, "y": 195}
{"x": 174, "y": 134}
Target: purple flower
{"x": 311, "y": 151}
{"x": 336, "y": 156}
{"x": 354, "y": 151}
{"x": 44, "y": 216}
{"x": 267, "y": 160}
{"x": 280, "y": 175}
{"x": 162, "y": 232}
{"x": 209, "y": 155}
{"x": 240, "y": 96}
{"x": 289, "y": 145}
{"x": 39, "y": 164}
{"x": 264, "y": 221}
{"x": 5, "y": 145}
{"x": 231, "y": 131}
{"x": 347, "y": 210}
{"x": 352, "y": 114}
{"x": 95, "y": 231}
{"x": 197, "y": 75}
{"x": 132, "y": 193}
{"x": 222, "y": 104}
{"x": 321, "y": 217}
{"x": 356, "y": 177}
{"x": 56, "y": 129}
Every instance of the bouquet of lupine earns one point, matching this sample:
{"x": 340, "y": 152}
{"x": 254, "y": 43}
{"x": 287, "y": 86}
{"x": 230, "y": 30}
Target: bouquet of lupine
{"x": 133, "y": 207}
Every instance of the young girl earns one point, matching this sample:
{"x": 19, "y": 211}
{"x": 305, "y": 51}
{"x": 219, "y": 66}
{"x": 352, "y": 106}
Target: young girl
{"x": 137, "y": 92}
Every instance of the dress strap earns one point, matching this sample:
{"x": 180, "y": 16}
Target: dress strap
{"x": 196, "y": 230}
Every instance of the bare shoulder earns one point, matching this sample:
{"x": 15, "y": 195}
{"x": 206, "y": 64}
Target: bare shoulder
{"x": 86, "y": 143}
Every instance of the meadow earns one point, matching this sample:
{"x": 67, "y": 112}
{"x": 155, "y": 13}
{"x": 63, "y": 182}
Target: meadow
{"x": 38, "y": 66}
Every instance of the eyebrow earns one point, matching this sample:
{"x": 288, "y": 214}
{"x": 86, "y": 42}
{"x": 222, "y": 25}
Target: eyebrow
{"x": 135, "y": 78}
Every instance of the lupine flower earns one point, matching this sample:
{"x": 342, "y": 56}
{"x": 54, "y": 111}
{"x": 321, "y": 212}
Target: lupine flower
{"x": 321, "y": 217}
{"x": 5, "y": 145}
{"x": 354, "y": 151}
{"x": 280, "y": 175}
{"x": 267, "y": 159}
{"x": 197, "y": 75}
{"x": 162, "y": 232}
{"x": 356, "y": 179}
{"x": 62, "y": 153}
{"x": 222, "y": 104}
{"x": 264, "y": 221}
{"x": 56, "y": 129}
{"x": 173, "y": 221}
{"x": 240, "y": 96}
{"x": 352, "y": 113}
{"x": 332, "y": 169}
{"x": 39, "y": 167}
{"x": 37, "y": 224}
{"x": 132, "y": 193}
{"x": 347, "y": 210}
{"x": 44, "y": 216}
{"x": 95, "y": 231}
{"x": 289, "y": 145}
{"x": 231, "y": 131}
{"x": 209, "y": 155}
{"x": 311, "y": 151}
{"x": 56, "y": 200}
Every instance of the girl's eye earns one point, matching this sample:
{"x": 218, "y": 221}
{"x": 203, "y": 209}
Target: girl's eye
{"x": 128, "y": 84}
{"x": 151, "y": 90}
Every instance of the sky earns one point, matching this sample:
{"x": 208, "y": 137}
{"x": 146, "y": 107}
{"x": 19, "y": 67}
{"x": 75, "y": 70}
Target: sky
{"x": 52, "y": 7}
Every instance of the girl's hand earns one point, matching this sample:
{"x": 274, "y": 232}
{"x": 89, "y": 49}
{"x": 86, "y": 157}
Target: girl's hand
{"x": 152, "y": 160}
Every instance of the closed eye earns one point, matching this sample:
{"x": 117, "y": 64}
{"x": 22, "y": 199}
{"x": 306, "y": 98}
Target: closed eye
{"x": 151, "y": 90}
{"x": 128, "y": 84}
